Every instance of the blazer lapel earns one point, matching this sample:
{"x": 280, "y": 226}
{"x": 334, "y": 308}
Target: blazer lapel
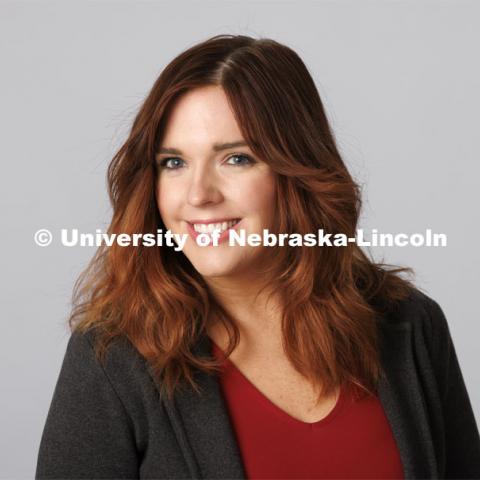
{"x": 400, "y": 393}
{"x": 203, "y": 428}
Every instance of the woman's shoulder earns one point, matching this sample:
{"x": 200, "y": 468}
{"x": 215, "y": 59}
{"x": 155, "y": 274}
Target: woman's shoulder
{"x": 99, "y": 415}
{"x": 418, "y": 309}
{"x": 423, "y": 316}
{"x": 120, "y": 354}
{"x": 122, "y": 367}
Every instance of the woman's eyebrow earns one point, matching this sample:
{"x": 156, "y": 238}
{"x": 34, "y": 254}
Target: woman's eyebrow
{"x": 217, "y": 147}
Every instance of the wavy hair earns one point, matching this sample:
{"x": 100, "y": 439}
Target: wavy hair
{"x": 332, "y": 295}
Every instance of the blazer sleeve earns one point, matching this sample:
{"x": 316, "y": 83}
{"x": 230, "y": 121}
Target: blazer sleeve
{"x": 462, "y": 441}
{"x": 88, "y": 432}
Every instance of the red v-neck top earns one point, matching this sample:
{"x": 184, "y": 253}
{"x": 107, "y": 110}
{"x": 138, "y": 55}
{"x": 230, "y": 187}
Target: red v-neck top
{"x": 353, "y": 441}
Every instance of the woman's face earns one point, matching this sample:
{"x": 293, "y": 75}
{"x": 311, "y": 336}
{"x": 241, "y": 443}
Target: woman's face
{"x": 201, "y": 182}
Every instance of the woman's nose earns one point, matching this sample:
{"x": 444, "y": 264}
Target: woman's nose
{"x": 203, "y": 188}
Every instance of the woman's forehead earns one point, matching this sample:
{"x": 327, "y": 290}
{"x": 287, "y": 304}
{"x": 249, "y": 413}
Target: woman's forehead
{"x": 203, "y": 104}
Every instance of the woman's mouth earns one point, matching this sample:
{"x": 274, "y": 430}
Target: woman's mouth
{"x": 196, "y": 228}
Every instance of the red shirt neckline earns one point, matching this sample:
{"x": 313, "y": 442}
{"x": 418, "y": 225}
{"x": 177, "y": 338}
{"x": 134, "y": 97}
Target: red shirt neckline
{"x": 232, "y": 369}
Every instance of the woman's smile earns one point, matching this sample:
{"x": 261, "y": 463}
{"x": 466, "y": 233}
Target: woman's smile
{"x": 195, "y": 229}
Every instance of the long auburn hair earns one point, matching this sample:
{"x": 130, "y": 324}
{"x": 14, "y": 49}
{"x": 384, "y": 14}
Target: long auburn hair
{"x": 332, "y": 295}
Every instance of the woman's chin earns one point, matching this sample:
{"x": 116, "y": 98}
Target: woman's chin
{"x": 209, "y": 270}
{"x": 218, "y": 265}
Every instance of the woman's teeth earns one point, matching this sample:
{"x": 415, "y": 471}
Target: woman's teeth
{"x": 210, "y": 227}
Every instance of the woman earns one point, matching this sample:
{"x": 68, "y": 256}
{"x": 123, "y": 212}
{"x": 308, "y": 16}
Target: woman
{"x": 242, "y": 361}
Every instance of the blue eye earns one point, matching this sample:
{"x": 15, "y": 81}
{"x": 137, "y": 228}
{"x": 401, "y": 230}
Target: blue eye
{"x": 165, "y": 163}
{"x": 174, "y": 163}
{"x": 245, "y": 157}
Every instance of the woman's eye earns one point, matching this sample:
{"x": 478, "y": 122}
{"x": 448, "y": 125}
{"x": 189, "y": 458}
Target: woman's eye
{"x": 244, "y": 160}
{"x": 172, "y": 163}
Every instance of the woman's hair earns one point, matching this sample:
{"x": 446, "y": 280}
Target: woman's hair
{"x": 331, "y": 295}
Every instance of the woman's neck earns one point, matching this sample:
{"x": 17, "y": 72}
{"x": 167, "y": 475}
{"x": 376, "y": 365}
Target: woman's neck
{"x": 257, "y": 316}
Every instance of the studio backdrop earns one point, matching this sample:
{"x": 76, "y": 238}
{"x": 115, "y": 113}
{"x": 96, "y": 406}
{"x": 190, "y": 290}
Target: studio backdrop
{"x": 400, "y": 83}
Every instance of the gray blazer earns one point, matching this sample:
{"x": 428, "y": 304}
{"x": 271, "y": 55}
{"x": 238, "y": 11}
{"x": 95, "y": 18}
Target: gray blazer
{"x": 111, "y": 422}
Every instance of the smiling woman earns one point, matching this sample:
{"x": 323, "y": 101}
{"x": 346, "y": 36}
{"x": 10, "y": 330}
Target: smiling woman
{"x": 242, "y": 361}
